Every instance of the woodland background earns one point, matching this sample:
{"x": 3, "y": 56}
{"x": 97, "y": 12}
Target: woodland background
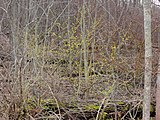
{"x": 74, "y": 59}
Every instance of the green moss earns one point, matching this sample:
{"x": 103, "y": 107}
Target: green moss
{"x": 92, "y": 107}
{"x": 120, "y": 103}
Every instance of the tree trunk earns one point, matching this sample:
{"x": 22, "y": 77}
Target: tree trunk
{"x": 158, "y": 82}
{"x": 148, "y": 59}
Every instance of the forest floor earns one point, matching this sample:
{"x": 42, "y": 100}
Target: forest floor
{"x": 62, "y": 98}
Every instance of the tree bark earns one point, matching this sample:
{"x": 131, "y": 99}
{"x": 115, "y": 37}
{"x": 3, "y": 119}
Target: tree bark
{"x": 148, "y": 59}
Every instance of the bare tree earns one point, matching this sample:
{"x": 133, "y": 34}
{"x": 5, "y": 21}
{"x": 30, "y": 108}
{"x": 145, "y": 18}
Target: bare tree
{"x": 5, "y": 47}
{"x": 148, "y": 59}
